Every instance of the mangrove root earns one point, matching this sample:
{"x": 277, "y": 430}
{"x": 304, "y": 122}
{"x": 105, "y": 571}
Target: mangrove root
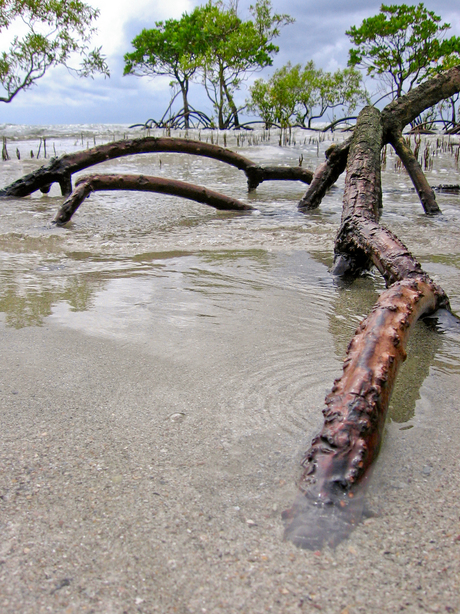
{"x": 335, "y": 466}
{"x": 395, "y": 117}
{"x": 61, "y": 169}
{"x": 93, "y": 183}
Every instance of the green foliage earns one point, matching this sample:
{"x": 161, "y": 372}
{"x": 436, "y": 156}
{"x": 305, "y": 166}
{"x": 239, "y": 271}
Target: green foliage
{"x": 276, "y": 101}
{"x": 168, "y": 49}
{"x": 173, "y": 48}
{"x": 235, "y": 48}
{"x": 401, "y": 45}
{"x": 294, "y": 94}
{"x": 56, "y": 30}
{"x": 212, "y": 44}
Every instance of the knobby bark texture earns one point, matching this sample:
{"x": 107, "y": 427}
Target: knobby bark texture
{"x": 337, "y": 463}
{"x": 60, "y": 170}
{"x": 93, "y": 183}
{"x": 395, "y": 117}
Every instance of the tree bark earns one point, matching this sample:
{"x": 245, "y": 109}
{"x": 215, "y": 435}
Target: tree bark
{"x": 395, "y": 117}
{"x": 325, "y": 176}
{"x": 61, "y": 169}
{"x": 424, "y": 191}
{"x": 330, "y": 504}
{"x": 363, "y": 194}
{"x": 94, "y": 183}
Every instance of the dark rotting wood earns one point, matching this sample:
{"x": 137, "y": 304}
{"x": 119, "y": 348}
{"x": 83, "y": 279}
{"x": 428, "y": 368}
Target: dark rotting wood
{"x": 61, "y": 169}
{"x": 143, "y": 183}
{"x": 335, "y": 466}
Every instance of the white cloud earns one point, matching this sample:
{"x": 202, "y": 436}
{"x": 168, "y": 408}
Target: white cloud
{"x": 115, "y": 14}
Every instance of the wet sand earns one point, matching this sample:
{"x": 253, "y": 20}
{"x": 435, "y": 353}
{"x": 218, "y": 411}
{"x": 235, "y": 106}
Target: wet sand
{"x": 124, "y": 488}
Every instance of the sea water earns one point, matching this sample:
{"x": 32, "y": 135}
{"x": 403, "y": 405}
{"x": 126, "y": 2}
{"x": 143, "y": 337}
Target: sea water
{"x": 244, "y": 303}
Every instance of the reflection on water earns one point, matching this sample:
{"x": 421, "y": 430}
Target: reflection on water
{"x": 30, "y": 306}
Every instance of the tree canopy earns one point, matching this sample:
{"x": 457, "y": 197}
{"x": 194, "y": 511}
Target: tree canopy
{"x": 212, "y": 44}
{"x": 401, "y": 46}
{"x": 235, "y": 48}
{"x": 56, "y": 31}
{"x": 173, "y": 49}
{"x": 298, "y": 95}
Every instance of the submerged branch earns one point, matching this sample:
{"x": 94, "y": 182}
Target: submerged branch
{"x": 93, "y": 183}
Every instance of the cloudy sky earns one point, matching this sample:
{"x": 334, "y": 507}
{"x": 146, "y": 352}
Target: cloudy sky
{"x": 59, "y": 98}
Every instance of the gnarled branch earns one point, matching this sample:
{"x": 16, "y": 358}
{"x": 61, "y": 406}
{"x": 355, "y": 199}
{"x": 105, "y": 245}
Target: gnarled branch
{"x": 337, "y": 461}
{"x": 61, "y": 169}
{"x": 93, "y": 183}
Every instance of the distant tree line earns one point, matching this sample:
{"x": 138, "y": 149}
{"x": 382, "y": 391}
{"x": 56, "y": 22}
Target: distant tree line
{"x": 399, "y": 47}
{"x": 212, "y": 45}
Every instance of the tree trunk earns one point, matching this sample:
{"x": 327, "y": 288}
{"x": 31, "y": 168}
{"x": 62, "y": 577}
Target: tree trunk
{"x": 184, "y": 88}
{"x": 233, "y": 107}
{"x": 363, "y": 193}
{"x": 142, "y": 183}
{"x": 329, "y": 505}
{"x": 61, "y": 169}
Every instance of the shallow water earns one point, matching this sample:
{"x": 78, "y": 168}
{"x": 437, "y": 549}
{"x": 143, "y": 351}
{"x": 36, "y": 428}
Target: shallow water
{"x": 171, "y": 274}
{"x": 241, "y": 304}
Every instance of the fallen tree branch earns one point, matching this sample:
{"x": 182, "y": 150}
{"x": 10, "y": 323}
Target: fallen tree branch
{"x": 93, "y": 183}
{"x": 329, "y": 505}
{"x": 395, "y": 117}
{"x": 60, "y": 170}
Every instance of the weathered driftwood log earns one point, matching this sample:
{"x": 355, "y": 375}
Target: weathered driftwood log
{"x": 60, "y": 170}
{"x": 339, "y": 457}
{"x": 395, "y": 117}
{"x": 143, "y": 183}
